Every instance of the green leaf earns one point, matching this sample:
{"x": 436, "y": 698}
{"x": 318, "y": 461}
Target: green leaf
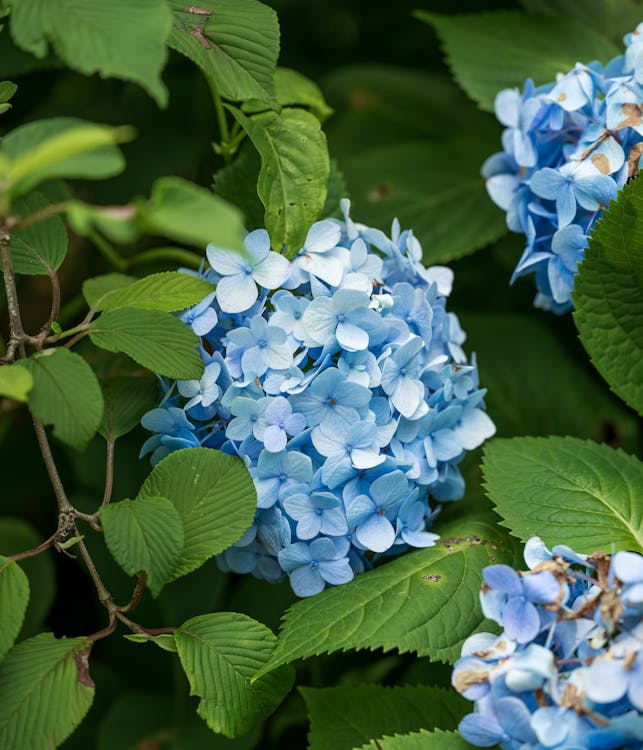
{"x": 167, "y": 291}
{"x": 491, "y": 51}
{"x": 114, "y": 38}
{"x": 145, "y": 534}
{"x": 426, "y": 601}
{"x": 45, "y": 691}
{"x": 514, "y": 351}
{"x": 236, "y": 45}
{"x": 39, "y": 248}
{"x": 237, "y": 184}
{"x": 612, "y": 18}
{"x": 65, "y": 394}
{"x": 15, "y": 382}
{"x": 567, "y": 491}
{"x": 14, "y": 598}
{"x": 421, "y": 740}
{"x": 127, "y": 399}
{"x": 609, "y": 296}
{"x": 342, "y": 718}
{"x": 295, "y": 90}
{"x": 164, "y": 641}
{"x": 7, "y": 90}
{"x": 99, "y": 286}
{"x": 17, "y": 536}
{"x": 378, "y": 105}
{"x": 156, "y": 340}
{"x": 448, "y": 208}
{"x": 294, "y": 172}
{"x": 61, "y": 147}
{"x": 214, "y": 495}
{"x": 220, "y": 654}
{"x": 118, "y": 223}
{"x": 188, "y": 213}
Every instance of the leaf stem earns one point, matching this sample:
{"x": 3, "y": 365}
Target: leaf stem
{"x": 64, "y": 506}
{"x": 47, "y": 212}
{"x": 218, "y": 106}
{"x": 109, "y": 470}
{"x": 47, "y": 544}
{"x": 107, "y": 251}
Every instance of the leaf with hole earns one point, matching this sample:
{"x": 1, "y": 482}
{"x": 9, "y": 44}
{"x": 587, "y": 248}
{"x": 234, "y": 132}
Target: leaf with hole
{"x": 220, "y": 654}
{"x": 45, "y": 691}
{"x": 155, "y": 339}
{"x": 214, "y": 495}
{"x": 567, "y": 491}
{"x": 65, "y": 394}
{"x": 609, "y": 296}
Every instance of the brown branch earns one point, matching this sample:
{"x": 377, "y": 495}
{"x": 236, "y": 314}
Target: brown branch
{"x": 109, "y": 470}
{"x": 64, "y": 506}
{"x": 47, "y": 544}
{"x": 136, "y": 595}
{"x": 13, "y": 222}
{"x": 17, "y": 333}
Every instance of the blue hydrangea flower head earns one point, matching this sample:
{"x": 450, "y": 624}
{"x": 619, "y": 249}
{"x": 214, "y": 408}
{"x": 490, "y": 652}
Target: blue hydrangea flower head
{"x": 567, "y": 670}
{"x": 341, "y": 380}
{"x": 568, "y": 147}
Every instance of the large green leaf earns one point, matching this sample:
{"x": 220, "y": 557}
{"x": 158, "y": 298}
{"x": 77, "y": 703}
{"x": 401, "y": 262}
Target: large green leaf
{"x": 15, "y": 382}
{"x": 294, "y": 172}
{"x": 14, "y": 598}
{"x": 45, "y": 691}
{"x": 41, "y": 247}
{"x": 188, "y": 213}
{"x": 435, "y": 189}
{"x": 167, "y": 291}
{"x": 612, "y": 18}
{"x": 379, "y": 105}
{"x": 236, "y": 45}
{"x": 155, "y": 339}
{"x": 426, "y": 601}
{"x": 115, "y": 38}
{"x": 342, "y": 718}
{"x": 144, "y": 535}
{"x": 609, "y": 296}
{"x": 17, "y": 536}
{"x": 488, "y": 52}
{"x": 97, "y": 287}
{"x": 514, "y": 353}
{"x": 567, "y": 491}
{"x": 220, "y": 654}
{"x": 65, "y": 394}
{"x": 60, "y": 147}
{"x": 127, "y": 398}
{"x": 421, "y": 740}
{"x": 214, "y": 495}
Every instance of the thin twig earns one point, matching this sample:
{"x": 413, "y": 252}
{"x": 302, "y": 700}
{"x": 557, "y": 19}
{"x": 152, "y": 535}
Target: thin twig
{"x": 136, "y": 628}
{"x": 104, "y": 596}
{"x": 17, "y": 333}
{"x": 109, "y": 470}
{"x": 105, "y": 631}
{"x": 47, "y": 212}
{"x": 47, "y": 544}
{"x": 136, "y": 595}
{"x": 64, "y": 506}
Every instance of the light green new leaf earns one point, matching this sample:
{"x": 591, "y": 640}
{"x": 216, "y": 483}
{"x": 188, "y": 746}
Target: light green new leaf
{"x": 45, "y": 691}
{"x": 294, "y": 90}
{"x": 61, "y": 147}
{"x": 167, "y": 291}
{"x": 426, "y": 601}
{"x": 156, "y": 340}
{"x": 421, "y": 740}
{"x": 117, "y": 223}
{"x": 236, "y": 45}
{"x": 144, "y": 535}
{"x": 609, "y": 296}
{"x": 488, "y": 52}
{"x": 65, "y": 394}
{"x": 14, "y": 598}
{"x": 165, "y": 641}
{"x": 38, "y": 249}
{"x": 98, "y": 287}
{"x": 294, "y": 172}
{"x": 17, "y": 536}
{"x": 127, "y": 398}
{"x": 214, "y": 495}
{"x": 447, "y": 206}
{"x": 567, "y": 491}
{"x": 114, "y": 38}
{"x": 15, "y": 382}
{"x": 188, "y": 213}
{"x": 342, "y": 718}
{"x": 220, "y": 654}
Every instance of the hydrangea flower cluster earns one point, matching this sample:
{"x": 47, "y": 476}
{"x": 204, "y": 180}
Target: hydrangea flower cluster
{"x": 567, "y": 672}
{"x": 341, "y": 381}
{"x": 567, "y": 148}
